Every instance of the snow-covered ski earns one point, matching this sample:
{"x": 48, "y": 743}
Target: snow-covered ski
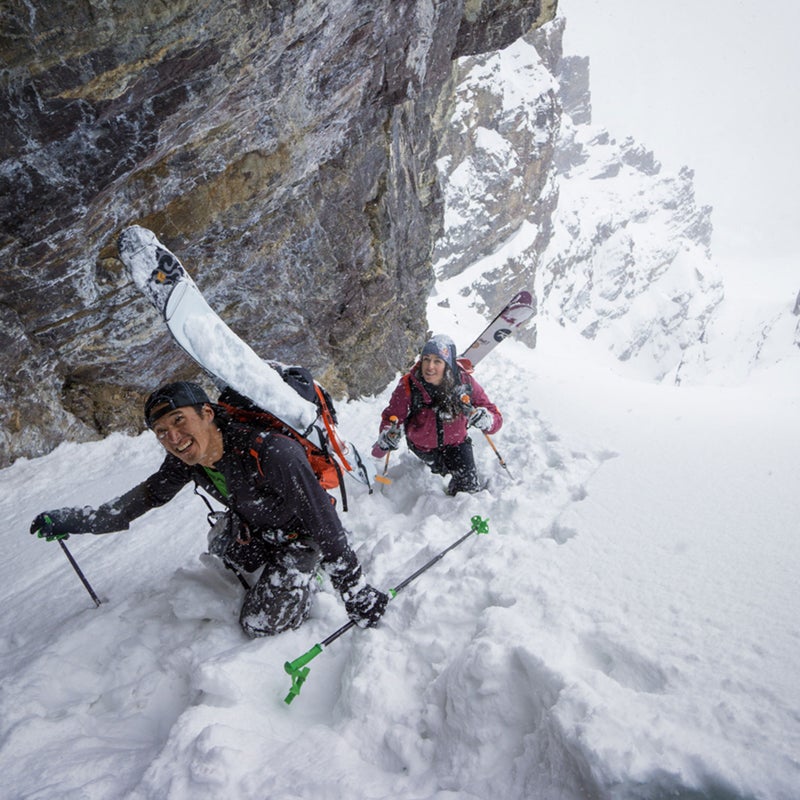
{"x": 516, "y": 313}
{"x": 207, "y": 339}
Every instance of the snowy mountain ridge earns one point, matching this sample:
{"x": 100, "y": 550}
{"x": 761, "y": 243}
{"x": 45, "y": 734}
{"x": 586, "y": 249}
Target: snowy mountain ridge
{"x": 629, "y": 263}
{"x": 616, "y": 247}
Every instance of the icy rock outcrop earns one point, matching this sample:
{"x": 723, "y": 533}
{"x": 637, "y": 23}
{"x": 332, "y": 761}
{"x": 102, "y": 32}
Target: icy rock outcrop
{"x": 496, "y": 171}
{"x": 629, "y": 263}
{"x": 537, "y": 196}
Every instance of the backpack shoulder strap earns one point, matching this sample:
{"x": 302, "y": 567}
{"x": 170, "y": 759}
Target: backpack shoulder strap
{"x": 465, "y": 365}
{"x": 418, "y": 396}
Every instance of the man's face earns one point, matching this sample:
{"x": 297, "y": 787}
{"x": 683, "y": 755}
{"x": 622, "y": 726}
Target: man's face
{"x": 191, "y": 435}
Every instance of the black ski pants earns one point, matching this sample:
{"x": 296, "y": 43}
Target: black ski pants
{"x": 280, "y": 600}
{"x": 281, "y": 597}
{"x": 457, "y": 460}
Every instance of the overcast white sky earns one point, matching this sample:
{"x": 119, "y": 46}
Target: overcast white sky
{"x": 711, "y": 84}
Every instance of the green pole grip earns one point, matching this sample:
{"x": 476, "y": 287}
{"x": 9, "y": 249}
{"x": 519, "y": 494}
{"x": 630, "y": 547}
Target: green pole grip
{"x": 298, "y": 671}
{"x": 479, "y": 525}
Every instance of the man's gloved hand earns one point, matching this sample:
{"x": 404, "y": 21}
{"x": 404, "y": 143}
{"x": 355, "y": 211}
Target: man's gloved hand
{"x": 44, "y": 527}
{"x": 389, "y": 438}
{"x": 481, "y": 419}
{"x": 366, "y": 606}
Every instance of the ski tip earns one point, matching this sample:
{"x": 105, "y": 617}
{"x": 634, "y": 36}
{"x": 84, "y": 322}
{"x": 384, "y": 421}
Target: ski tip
{"x": 138, "y": 250}
{"x": 133, "y": 239}
{"x": 152, "y": 267}
{"x": 523, "y": 298}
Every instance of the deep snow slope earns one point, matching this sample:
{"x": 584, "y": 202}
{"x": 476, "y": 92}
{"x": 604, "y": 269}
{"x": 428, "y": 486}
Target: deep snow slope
{"x": 628, "y": 628}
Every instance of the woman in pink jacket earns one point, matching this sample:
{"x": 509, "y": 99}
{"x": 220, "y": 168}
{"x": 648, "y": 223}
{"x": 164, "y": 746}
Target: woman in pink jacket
{"x": 435, "y": 404}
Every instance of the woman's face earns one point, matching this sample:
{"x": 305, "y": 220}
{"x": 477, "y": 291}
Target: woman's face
{"x": 433, "y": 369}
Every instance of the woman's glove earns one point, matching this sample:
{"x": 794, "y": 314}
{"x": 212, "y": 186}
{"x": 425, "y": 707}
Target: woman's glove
{"x": 389, "y": 438}
{"x": 481, "y": 419}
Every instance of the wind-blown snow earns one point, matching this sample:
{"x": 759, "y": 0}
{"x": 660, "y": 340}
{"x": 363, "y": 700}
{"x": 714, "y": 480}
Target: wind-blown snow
{"x": 628, "y": 628}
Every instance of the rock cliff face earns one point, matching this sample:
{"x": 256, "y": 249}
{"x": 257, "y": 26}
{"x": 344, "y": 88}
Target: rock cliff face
{"x": 285, "y": 150}
{"x": 496, "y": 171}
{"x": 611, "y": 245}
{"x": 629, "y": 264}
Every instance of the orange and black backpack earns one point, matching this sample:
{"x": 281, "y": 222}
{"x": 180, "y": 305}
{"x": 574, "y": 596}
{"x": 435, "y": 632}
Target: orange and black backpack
{"x": 320, "y": 456}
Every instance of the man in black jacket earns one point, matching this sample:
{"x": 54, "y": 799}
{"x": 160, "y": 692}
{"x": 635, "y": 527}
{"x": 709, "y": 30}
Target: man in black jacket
{"x": 280, "y": 517}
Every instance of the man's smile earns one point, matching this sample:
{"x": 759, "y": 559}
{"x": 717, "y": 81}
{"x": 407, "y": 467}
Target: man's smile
{"x": 191, "y": 435}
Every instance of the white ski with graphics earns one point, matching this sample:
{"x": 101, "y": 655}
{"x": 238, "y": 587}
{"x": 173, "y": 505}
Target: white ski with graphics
{"x": 198, "y": 329}
{"x": 516, "y": 313}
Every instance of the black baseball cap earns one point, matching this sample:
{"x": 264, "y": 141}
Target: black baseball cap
{"x": 172, "y": 396}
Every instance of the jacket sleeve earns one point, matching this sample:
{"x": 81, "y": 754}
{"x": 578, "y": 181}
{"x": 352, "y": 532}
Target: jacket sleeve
{"x": 479, "y": 398}
{"x": 399, "y": 405}
{"x": 117, "y": 514}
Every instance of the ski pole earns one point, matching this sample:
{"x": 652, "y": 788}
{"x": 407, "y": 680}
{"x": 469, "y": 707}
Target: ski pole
{"x": 297, "y": 669}
{"x": 497, "y": 453}
{"x": 382, "y": 477}
{"x": 79, "y": 573}
{"x": 465, "y": 399}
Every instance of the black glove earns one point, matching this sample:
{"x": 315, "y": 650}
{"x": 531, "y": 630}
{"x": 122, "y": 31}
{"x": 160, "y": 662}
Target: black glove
{"x": 45, "y": 528}
{"x": 389, "y": 438}
{"x": 366, "y": 606}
